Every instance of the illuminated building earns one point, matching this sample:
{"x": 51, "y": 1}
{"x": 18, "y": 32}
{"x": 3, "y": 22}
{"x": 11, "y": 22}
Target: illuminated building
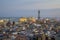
{"x": 23, "y": 19}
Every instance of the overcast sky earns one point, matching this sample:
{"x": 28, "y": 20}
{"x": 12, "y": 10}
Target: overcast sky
{"x": 20, "y": 8}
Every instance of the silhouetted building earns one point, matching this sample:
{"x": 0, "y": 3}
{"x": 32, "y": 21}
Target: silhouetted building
{"x": 38, "y": 14}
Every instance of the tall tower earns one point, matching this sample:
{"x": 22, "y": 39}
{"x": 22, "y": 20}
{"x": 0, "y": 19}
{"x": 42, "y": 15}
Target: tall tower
{"x": 38, "y": 14}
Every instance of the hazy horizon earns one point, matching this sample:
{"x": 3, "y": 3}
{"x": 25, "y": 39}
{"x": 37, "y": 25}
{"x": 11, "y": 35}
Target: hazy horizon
{"x": 28, "y": 8}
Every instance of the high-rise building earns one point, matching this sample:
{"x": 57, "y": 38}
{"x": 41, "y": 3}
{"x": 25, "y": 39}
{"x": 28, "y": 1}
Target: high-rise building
{"x": 38, "y": 14}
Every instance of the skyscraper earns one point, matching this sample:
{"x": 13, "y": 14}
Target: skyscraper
{"x": 38, "y": 14}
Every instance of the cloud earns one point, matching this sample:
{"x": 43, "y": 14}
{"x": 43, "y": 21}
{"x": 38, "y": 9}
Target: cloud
{"x": 38, "y": 6}
{"x": 42, "y": 4}
{"x": 31, "y": 4}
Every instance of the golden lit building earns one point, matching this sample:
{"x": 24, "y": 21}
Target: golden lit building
{"x": 1, "y": 21}
{"x": 32, "y": 19}
{"x": 23, "y": 19}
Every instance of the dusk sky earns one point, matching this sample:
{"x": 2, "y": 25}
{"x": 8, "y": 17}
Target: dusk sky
{"x": 26, "y": 8}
